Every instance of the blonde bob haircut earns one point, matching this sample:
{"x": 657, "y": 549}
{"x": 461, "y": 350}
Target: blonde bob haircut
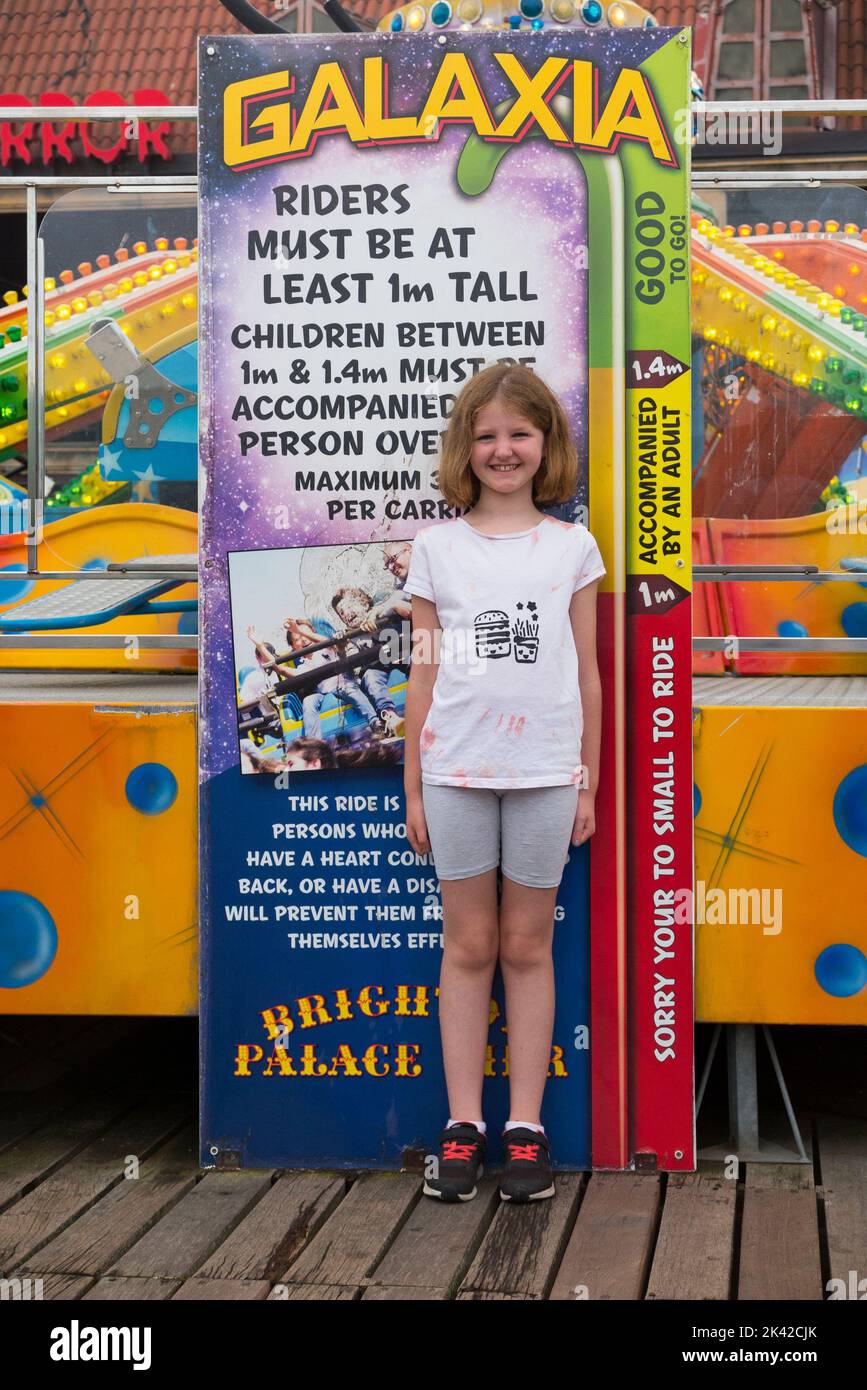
{"x": 524, "y": 393}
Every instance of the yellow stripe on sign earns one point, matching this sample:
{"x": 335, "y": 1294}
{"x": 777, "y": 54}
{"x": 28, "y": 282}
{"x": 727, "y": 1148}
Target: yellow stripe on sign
{"x": 660, "y": 537}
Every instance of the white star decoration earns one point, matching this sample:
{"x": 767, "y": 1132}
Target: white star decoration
{"x": 148, "y": 475}
{"x": 108, "y": 461}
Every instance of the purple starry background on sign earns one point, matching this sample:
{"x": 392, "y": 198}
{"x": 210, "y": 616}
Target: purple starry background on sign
{"x": 538, "y": 201}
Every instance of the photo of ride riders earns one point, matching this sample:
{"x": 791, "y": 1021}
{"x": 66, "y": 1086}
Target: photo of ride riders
{"x": 322, "y": 651}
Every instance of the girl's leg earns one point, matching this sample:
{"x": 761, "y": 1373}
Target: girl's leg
{"x": 469, "y": 958}
{"x": 536, "y": 832}
{"x": 464, "y": 828}
{"x": 526, "y": 935}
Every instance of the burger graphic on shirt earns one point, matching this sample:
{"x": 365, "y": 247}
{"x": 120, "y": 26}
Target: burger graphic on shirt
{"x": 493, "y": 633}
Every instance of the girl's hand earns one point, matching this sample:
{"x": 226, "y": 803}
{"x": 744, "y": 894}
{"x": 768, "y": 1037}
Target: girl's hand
{"x": 585, "y": 817}
{"x": 416, "y": 824}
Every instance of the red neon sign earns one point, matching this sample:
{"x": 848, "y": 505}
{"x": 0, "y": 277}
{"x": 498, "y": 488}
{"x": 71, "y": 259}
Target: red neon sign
{"x": 55, "y": 137}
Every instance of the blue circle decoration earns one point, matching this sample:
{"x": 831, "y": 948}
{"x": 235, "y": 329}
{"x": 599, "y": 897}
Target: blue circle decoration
{"x": 591, "y": 12}
{"x": 151, "y": 788}
{"x": 397, "y": 24}
{"x": 537, "y": 24}
{"x": 789, "y": 628}
{"x": 11, "y": 591}
{"x": 28, "y": 939}
{"x": 97, "y": 563}
{"x": 530, "y": 9}
{"x": 696, "y": 800}
{"x": 440, "y": 13}
{"x": 841, "y": 970}
{"x": 650, "y": 22}
{"x": 850, "y": 809}
{"x": 188, "y": 623}
{"x": 853, "y": 620}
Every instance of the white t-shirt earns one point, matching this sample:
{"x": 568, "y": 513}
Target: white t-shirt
{"x": 506, "y": 709}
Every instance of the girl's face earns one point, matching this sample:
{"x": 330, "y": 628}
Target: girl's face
{"x": 507, "y": 451}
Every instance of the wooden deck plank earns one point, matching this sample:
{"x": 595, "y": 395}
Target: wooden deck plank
{"x": 93, "y": 1171}
{"x": 278, "y": 1227}
{"x": 65, "y": 1287}
{"x": 354, "y": 1239}
{"x": 192, "y": 1229}
{"x": 37, "y": 1156}
{"x": 334, "y": 1293}
{"x": 92, "y": 1243}
{"x": 437, "y": 1243}
{"x": 222, "y": 1290}
{"x": 779, "y": 1256}
{"x": 382, "y": 1293}
{"x": 478, "y": 1296}
{"x": 122, "y": 1290}
{"x": 843, "y": 1160}
{"x": 609, "y": 1250}
{"x": 694, "y": 1249}
{"x": 522, "y": 1248}
{"x": 30, "y": 1112}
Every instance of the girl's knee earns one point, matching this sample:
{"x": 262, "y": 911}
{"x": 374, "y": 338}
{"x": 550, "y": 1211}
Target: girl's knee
{"x": 471, "y": 950}
{"x": 525, "y": 950}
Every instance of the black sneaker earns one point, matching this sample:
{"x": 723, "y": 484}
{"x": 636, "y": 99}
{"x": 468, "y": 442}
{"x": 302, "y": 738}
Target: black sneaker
{"x": 460, "y": 1151}
{"x": 527, "y": 1175}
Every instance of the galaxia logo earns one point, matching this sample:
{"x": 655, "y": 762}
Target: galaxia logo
{"x": 76, "y": 1343}
{"x": 267, "y": 120}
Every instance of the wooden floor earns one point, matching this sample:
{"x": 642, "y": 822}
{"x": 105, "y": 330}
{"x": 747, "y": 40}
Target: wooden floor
{"x": 82, "y": 1098}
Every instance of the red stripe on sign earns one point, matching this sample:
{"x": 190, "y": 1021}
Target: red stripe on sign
{"x": 660, "y": 872}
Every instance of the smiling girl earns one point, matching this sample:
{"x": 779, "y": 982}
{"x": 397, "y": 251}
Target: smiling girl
{"x": 503, "y": 725}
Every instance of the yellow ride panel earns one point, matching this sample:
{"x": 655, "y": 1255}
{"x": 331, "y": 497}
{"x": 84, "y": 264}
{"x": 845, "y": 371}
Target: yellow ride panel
{"x": 781, "y": 816}
{"x": 98, "y": 848}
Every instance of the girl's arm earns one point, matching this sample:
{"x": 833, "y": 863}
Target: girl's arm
{"x": 419, "y": 694}
{"x": 582, "y": 614}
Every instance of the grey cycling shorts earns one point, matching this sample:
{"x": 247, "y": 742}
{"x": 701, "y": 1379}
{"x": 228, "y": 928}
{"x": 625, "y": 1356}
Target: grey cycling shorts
{"x": 525, "y": 830}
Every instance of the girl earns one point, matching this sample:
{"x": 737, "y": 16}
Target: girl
{"x": 503, "y": 703}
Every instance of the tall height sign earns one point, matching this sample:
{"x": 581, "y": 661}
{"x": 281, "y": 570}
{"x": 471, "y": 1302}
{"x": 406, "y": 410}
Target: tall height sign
{"x": 381, "y": 217}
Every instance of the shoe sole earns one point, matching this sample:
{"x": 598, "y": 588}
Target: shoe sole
{"x": 451, "y": 1196}
{"x": 527, "y": 1196}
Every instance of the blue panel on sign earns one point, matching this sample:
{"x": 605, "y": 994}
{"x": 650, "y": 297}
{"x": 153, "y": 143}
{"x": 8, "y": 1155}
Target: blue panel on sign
{"x": 350, "y": 968}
